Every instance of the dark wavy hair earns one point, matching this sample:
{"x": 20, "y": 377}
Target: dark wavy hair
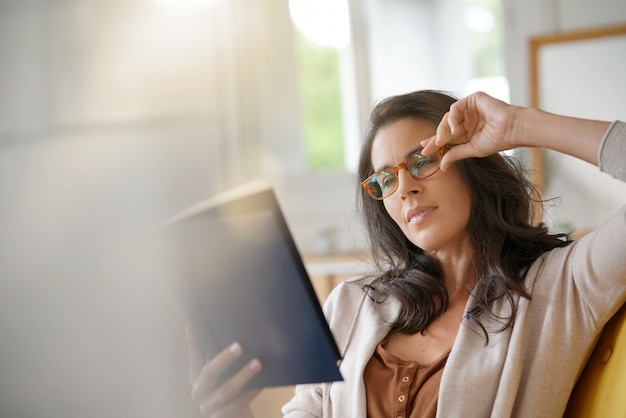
{"x": 503, "y": 236}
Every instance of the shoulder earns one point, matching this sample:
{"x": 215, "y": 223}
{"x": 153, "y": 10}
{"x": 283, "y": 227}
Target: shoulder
{"x": 347, "y": 295}
{"x": 349, "y": 303}
{"x": 602, "y": 246}
{"x": 589, "y": 273}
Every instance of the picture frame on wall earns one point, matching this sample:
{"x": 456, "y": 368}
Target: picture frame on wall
{"x": 580, "y": 74}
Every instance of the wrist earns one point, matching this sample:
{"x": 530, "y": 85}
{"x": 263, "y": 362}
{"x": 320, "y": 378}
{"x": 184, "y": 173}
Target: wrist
{"x": 518, "y": 127}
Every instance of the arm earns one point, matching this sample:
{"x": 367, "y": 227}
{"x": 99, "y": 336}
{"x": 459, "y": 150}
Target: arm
{"x": 481, "y": 125}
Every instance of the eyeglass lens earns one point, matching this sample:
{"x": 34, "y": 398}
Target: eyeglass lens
{"x": 383, "y": 183}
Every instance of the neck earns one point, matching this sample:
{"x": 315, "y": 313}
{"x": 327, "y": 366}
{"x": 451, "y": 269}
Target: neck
{"x": 459, "y": 283}
{"x": 459, "y": 273}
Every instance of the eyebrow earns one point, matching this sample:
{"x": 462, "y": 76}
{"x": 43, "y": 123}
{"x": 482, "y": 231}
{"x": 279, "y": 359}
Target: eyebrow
{"x": 406, "y": 157}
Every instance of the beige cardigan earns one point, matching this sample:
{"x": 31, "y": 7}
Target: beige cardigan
{"x": 526, "y": 371}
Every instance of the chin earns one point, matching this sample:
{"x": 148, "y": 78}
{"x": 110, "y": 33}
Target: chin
{"x": 422, "y": 238}
{"x": 424, "y": 245}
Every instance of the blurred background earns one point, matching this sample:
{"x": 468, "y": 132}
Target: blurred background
{"x": 116, "y": 114}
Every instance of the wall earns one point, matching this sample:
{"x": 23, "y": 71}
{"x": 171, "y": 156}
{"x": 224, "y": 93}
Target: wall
{"x": 424, "y": 47}
{"x": 528, "y": 19}
{"x": 584, "y": 82}
{"x": 88, "y": 325}
{"x": 580, "y": 87}
{"x": 116, "y": 115}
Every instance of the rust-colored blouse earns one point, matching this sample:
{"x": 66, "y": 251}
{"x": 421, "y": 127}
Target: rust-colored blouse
{"x": 401, "y": 389}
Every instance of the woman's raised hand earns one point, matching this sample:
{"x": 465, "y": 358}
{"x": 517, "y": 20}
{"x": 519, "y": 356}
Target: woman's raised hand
{"x": 225, "y": 399}
{"x": 478, "y": 125}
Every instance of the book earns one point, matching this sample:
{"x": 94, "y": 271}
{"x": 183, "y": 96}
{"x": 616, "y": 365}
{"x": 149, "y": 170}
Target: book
{"x": 239, "y": 277}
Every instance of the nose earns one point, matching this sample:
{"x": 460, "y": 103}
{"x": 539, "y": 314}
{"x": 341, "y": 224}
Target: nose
{"x": 407, "y": 185}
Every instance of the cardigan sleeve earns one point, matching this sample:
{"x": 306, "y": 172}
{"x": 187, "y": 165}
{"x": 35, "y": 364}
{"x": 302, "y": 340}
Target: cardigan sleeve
{"x": 612, "y": 152}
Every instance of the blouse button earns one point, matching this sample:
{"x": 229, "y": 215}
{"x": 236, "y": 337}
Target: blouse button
{"x": 405, "y": 379}
{"x": 401, "y": 398}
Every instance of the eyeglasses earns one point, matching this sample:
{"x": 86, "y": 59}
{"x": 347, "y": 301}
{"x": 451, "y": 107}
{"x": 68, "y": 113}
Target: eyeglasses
{"x": 384, "y": 183}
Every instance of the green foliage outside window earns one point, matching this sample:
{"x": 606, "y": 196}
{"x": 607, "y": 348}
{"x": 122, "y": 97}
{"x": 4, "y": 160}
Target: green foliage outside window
{"x": 320, "y": 94}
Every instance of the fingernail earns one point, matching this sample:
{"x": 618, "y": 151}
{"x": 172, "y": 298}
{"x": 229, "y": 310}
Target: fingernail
{"x": 255, "y": 365}
{"x": 235, "y": 349}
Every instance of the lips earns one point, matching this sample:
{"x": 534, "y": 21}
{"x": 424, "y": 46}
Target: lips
{"x": 417, "y": 214}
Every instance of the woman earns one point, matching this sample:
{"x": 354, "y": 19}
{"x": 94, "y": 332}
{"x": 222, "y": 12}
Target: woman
{"x": 477, "y": 312}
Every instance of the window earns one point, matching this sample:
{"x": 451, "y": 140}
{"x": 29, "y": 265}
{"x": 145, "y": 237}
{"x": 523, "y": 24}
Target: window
{"x": 322, "y": 31}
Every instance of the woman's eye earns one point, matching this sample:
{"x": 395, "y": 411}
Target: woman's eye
{"x": 419, "y": 161}
{"x": 386, "y": 180}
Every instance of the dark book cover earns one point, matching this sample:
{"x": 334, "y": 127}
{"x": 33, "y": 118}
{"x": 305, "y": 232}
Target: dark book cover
{"x": 239, "y": 277}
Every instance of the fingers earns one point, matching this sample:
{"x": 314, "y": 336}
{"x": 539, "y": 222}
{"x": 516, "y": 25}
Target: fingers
{"x": 429, "y": 145}
{"x": 201, "y": 372}
{"x": 210, "y": 373}
{"x": 456, "y": 153}
{"x": 225, "y": 399}
{"x": 227, "y": 396}
{"x": 445, "y": 137}
{"x": 466, "y": 114}
{"x": 442, "y": 137}
{"x": 462, "y": 115}
{"x": 477, "y": 127}
{"x": 455, "y": 118}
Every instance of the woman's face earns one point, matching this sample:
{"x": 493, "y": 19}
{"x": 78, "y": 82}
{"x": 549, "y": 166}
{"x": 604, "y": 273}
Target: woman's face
{"x": 433, "y": 212}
